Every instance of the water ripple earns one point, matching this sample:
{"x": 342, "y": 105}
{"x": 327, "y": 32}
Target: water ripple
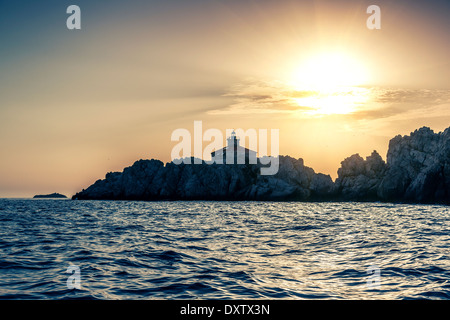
{"x": 223, "y": 250}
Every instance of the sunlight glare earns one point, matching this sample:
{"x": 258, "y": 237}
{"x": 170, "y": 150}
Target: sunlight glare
{"x": 328, "y": 71}
{"x": 333, "y": 81}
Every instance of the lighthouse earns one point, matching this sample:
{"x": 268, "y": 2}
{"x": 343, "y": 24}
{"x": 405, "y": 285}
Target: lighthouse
{"x": 233, "y": 153}
{"x": 233, "y": 140}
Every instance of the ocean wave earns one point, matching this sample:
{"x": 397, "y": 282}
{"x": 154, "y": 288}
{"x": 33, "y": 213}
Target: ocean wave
{"x": 222, "y": 250}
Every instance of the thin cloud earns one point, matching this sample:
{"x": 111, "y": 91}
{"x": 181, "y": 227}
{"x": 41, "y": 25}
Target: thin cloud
{"x": 275, "y": 97}
{"x": 262, "y": 97}
{"x": 389, "y": 103}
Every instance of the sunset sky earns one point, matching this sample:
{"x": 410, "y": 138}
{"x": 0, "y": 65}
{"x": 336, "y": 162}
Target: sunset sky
{"x": 76, "y": 104}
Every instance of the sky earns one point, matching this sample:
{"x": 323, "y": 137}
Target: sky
{"x": 76, "y": 104}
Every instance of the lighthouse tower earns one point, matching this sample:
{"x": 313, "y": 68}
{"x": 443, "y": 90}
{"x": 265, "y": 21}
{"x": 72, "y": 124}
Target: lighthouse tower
{"x": 233, "y": 153}
{"x": 233, "y": 141}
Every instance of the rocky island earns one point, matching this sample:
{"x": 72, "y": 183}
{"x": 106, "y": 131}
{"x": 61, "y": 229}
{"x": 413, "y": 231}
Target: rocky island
{"x": 417, "y": 170}
{"x": 50, "y": 196}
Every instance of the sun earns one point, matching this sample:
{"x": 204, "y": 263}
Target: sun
{"x": 331, "y": 83}
{"x": 327, "y": 71}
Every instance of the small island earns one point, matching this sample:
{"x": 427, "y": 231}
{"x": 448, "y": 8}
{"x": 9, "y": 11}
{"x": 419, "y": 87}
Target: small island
{"x": 50, "y": 196}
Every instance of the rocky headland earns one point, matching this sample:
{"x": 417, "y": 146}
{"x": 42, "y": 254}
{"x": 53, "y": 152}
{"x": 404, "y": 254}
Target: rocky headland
{"x": 417, "y": 169}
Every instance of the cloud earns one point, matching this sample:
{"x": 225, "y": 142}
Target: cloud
{"x": 367, "y": 103}
{"x": 393, "y": 102}
{"x": 259, "y": 96}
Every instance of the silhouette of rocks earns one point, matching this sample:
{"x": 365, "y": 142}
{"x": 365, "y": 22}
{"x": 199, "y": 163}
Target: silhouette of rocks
{"x": 417, "y": 170}
{"x": 50, "y": 196}
{"x": 152, "y": 180}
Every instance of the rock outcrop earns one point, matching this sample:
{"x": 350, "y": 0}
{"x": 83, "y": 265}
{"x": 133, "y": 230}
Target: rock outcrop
{"x": 152, "y": 180}
{"x": 417, "y": 170}
{"x": 359, "y": 179}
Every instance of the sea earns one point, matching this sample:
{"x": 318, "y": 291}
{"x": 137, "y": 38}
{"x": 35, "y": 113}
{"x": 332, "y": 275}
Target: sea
{"x": 133, "y": 250}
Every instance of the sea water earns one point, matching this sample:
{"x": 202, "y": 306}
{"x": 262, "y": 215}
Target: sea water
{"x": 223, "y": 250}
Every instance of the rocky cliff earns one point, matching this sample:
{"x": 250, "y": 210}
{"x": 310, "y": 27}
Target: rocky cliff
{"x": 359, "y": 179}
{"x": 152, "y": 180}
{"x": 417, "y": 170}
